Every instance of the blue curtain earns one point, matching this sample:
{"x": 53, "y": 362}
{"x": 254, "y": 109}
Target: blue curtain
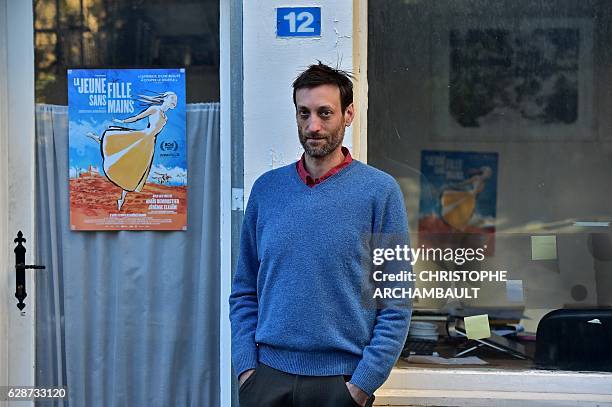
{"x": 128, "y": 318}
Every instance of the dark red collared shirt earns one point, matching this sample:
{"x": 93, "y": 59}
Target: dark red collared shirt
{"x": 310, "y": 181}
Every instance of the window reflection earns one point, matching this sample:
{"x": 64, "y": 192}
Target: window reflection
{"x": 126, "y": 34}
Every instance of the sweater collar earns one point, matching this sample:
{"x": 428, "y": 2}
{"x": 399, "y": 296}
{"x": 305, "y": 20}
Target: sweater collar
{"x": 310, "y": 181}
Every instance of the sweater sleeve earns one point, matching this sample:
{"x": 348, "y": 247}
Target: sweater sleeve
{"x": 393, "y": 316}
{"x": 243, "y": 297}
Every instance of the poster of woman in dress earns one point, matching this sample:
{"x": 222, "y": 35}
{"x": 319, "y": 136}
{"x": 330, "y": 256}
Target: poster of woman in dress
{"x": 458, "y": 199}
{"x": 128, "y": 163}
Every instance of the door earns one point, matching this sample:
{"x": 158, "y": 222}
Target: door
{"x": 16, "y": 190}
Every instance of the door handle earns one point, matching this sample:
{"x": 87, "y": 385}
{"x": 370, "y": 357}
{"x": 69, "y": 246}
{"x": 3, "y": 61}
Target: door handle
{"x": 20, "y": 268}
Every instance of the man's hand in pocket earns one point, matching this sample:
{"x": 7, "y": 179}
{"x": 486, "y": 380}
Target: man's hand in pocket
{"x": 360, "y": 396}
{"x": 245, "y": 375}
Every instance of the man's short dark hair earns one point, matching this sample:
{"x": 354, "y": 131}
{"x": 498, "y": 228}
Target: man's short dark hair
{"x": 321, "y": 74}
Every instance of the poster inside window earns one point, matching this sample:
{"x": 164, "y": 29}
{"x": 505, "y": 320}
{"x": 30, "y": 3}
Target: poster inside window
{"x": 458, "y": 200}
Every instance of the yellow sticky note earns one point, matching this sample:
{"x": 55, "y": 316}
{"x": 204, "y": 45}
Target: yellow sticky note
{"x": 543, "y": 247}
{"x": 477, "y": 327}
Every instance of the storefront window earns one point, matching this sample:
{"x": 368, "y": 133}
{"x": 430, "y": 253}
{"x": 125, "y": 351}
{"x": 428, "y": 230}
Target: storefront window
{"x": 493, "y": 117}
{"x": 126, "y": 34}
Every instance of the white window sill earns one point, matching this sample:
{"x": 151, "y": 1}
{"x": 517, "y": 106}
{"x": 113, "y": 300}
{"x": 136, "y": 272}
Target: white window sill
{"x": 480, "y": 387}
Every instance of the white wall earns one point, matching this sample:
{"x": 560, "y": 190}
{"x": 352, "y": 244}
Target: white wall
{"x": 4, "y": 259}
{"x": 270, "y": 66}
{"x": 16, "y": 187}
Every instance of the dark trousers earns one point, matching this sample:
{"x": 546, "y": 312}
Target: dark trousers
{"x": 268, "y": 387}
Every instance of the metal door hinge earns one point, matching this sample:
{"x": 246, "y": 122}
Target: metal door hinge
{"x": 237, "y": 199}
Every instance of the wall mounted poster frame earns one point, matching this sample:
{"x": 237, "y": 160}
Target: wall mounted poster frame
{"x": 127, "y": 149}
{"x": 503, "y": 80}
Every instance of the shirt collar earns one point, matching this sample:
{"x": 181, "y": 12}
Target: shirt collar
{"x": 310, "y": 181}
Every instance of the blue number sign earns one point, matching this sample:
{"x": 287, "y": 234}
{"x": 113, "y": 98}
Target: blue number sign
{"x": 298, "y": 21}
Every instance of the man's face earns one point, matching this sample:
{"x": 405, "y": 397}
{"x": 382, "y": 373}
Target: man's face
{"x": 320, "y": 120}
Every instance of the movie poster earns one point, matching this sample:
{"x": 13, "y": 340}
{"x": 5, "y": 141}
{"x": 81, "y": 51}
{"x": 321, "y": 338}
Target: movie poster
{"x": 458, "y": 199}
{"x": 127, "y": 149}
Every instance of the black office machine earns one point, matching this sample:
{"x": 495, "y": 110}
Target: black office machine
{"x": 572, "y": 339}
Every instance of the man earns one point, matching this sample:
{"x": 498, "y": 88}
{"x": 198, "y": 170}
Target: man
{"x": 303, "y": 333}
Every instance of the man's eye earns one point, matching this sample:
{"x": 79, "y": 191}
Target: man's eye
{"x": 326, "y": 113}
{"x": 303, "y": 115}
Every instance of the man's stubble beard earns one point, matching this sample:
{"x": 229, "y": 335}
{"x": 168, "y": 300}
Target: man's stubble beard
{"x": 332, "y": 141}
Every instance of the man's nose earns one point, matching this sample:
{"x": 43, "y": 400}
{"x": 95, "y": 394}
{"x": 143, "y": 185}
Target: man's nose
{"x": 314, "y": 125}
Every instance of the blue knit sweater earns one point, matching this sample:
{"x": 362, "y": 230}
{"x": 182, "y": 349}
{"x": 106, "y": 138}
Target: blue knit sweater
{"x": 297, "y": 301}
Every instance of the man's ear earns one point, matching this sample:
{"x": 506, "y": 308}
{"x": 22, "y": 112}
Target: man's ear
{"x": 349, "y": 114}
